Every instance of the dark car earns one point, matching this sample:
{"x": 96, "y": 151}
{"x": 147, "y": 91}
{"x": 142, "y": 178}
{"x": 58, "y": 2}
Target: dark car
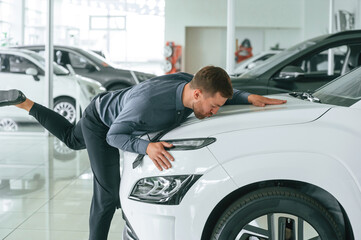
{"x": 304, "y": 67}
{"x": 89, "y": 64}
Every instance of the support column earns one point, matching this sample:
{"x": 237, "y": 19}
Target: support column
{"x": 330, "y": 30}
{"x": 49, "y": 54}
{"x": 230, "y": 36}
{"x": 22, "y": 24}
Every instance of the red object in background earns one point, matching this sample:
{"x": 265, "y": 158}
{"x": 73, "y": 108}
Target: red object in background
{"x": 173, "y": 57}
{"x": 244, "y": 51}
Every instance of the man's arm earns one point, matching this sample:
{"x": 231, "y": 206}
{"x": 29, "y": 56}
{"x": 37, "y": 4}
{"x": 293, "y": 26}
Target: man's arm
{"x": 120, "y": 136}
{"x": 243, "y": 97}
{"x": 239, "y": 97}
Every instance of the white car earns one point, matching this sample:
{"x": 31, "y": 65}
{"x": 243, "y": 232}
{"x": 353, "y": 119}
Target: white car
{"x": 24, "y": 70}
{"x": 290, "y": 171}
{"x": 256, "y": 60}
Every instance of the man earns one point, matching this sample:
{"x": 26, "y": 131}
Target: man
{"x": 115, "y": 120}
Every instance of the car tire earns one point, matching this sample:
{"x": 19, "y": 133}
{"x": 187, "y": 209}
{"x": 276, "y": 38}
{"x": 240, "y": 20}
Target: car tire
{"x": 117, "y": 87}
{"x": 66, "y": 107}
{"x": 272, "y": 203}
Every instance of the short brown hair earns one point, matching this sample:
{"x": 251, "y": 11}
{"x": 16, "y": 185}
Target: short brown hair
{"x": 211, "y": 80}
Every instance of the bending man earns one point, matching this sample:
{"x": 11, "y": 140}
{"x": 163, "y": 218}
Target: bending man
{"x": 114, "y": 120}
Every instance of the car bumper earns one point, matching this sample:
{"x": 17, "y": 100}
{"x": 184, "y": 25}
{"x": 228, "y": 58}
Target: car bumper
{"x": 174, "y": 222}
{"x": 128, "y": 232}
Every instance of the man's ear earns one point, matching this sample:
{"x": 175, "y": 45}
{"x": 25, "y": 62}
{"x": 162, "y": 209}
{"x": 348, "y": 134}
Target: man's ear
{"x": 197, "y": 93}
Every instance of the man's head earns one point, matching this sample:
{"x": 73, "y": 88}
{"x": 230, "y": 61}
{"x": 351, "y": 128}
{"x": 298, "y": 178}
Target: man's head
{"x": 211, "y": 87}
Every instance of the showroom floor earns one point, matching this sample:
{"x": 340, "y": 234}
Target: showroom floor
{"x": 45, "y": 190}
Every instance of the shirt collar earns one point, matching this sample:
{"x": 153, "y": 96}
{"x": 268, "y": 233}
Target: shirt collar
{"x": 178, "y": 100}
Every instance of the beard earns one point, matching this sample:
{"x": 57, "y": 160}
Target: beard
{"x": 198, "y": 113}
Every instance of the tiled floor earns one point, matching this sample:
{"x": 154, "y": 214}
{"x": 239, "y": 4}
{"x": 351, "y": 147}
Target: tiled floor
{"x": 45, "y": 191}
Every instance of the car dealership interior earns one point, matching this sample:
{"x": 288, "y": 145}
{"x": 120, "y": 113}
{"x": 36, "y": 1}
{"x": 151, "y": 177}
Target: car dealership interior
{"x": 92, "y": 147}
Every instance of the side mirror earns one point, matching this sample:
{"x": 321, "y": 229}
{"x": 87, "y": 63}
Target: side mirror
{"x": 291, "y": 72}
{"x": 31, "y": 71}
{"x": 251, "y": 65}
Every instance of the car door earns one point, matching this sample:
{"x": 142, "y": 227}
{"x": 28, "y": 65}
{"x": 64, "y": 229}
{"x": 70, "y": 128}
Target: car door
{"x": 13, "y": 76}
{"x": 311, "y": 70}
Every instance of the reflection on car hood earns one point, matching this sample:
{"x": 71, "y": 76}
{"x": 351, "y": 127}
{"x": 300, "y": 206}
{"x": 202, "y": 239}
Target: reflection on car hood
{"x": 239, "y": 117}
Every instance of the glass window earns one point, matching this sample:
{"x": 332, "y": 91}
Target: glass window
{"x": 344, "y": 91}
{"x": 318, "y": 63}
{"x": 20, "y": 64}
{"x": 58, "y": 69}
{"x": 4, "y": 63}
{"x": 77, "y": 61}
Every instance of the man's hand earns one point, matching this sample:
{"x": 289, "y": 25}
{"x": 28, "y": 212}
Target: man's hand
{"x": 260, "y": 101}
{"x": 159, "y": 155}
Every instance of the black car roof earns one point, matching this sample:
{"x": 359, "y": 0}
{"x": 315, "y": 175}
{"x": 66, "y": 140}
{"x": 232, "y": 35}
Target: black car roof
{"x": 345, "y": 33}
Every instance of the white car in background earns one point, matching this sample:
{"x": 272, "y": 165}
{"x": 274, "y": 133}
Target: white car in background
{"x": 24, "y": 70}
{"x": 290, "y": 171}
{"x": 256, "y": 60}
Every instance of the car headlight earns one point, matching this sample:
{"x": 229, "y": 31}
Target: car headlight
{"x": 168, "y": 190}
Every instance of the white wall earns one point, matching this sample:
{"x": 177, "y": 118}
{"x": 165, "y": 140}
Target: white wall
{"x": 213, "y": 13}
{"x": 316, "y": 15}
{"x": 255, "y": 19}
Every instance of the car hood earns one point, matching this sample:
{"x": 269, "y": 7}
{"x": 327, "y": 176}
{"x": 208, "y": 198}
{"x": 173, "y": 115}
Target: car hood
{"x": 230, "y": 118}
{"x": 239, "y": 117}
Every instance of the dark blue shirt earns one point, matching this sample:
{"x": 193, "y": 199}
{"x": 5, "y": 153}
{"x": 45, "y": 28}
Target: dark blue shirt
{"x": 147, "y": 107}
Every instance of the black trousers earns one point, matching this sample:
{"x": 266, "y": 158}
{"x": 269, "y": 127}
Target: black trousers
{"x": 90, "y": 133}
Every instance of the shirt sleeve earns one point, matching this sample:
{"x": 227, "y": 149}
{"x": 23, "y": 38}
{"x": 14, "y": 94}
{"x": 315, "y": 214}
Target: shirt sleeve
{"x": 121, "y": 132}
{"x": 120, "y": 136}
{"x": 239, "y": 97}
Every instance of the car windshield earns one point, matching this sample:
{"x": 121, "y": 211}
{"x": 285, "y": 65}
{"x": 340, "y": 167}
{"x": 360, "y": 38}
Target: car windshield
{"x": 58, "y": 70}
{"x": 343, "y": 91}
{"x": 276, "y": 59}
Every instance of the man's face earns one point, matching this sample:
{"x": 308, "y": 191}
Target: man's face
{"x": 206, "y": 105}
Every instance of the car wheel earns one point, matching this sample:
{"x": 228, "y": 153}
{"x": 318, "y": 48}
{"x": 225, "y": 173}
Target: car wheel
{"x": 276, "y": 213}
{"x": 117, "y": 87}
{"x": 62, "y": 152}
{"x": 66, "y": 108}
{"x": 8, "y": 125}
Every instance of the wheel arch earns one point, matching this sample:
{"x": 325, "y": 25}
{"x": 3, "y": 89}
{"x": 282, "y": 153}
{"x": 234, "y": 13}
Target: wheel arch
{"x": 64, "y": 96}
{"x": 113, "y": 82}
{"x": 321, "y": 195}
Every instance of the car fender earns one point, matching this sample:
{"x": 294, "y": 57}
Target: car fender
{"x": 68, "y": 87}
{"x": 323, "y": 171}
{"x": 111, "y": 82}
{"x": 200, "y": 201}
